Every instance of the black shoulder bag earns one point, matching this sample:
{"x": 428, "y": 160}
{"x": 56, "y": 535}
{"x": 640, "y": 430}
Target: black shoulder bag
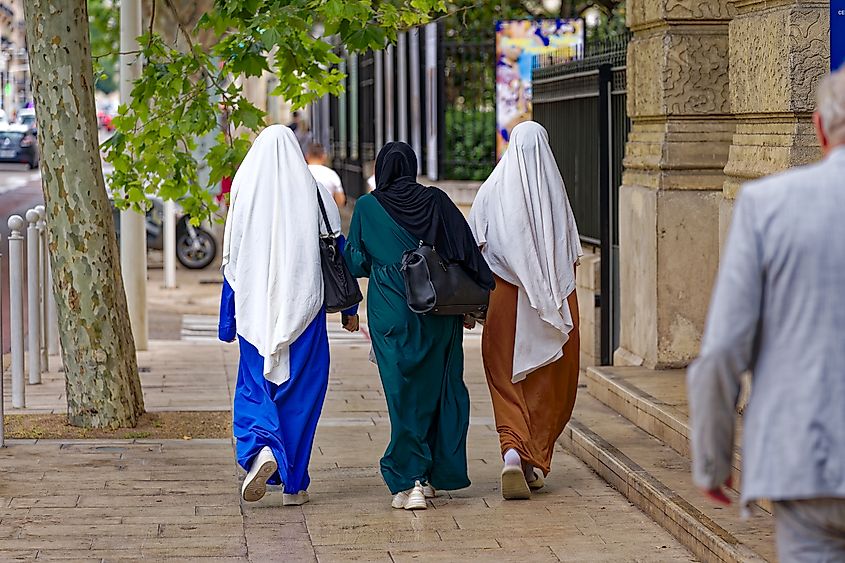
{"x": 340, "y": 288}
{"x": 437, "y": 287}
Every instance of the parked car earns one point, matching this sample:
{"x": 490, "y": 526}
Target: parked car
{"x": 26, "y": 117}
{"x": 18, "y": 144}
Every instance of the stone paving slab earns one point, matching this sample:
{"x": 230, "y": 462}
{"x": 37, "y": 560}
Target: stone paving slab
{"x": 95, "y": 500}
{"x": 578, "y": 517}
{"x": 178, "y": 500}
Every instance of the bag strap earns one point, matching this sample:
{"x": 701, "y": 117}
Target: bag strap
{"x": 325, "y": 215}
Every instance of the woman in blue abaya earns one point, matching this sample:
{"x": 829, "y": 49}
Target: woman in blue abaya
{"x": 273, "y": 302}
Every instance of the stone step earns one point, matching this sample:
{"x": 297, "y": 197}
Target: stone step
{"x": 655, "y": 401}
{"x": 656, "y": 478}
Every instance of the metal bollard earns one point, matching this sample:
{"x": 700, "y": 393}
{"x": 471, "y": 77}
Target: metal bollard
{"x": 42, "y": 284}
{"x": 169, "y": 244}
{"x": 16, "y": 225}
{"x": 33, "y": 297}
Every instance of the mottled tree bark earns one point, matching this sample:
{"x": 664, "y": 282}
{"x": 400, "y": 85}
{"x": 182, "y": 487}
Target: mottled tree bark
{"x": 103, "y": 388}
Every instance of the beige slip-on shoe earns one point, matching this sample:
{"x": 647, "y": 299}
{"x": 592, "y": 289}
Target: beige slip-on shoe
{"x": 298, "y": 499}
{"x": 514, "y": 486}
{"x": 538, "y": 482}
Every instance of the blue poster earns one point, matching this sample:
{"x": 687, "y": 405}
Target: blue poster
{"x": 837, "y": 34}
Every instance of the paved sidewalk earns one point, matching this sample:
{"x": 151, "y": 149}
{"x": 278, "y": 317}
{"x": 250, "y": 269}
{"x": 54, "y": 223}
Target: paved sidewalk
{"x": 175, "y": 376}
{"x": 178, "y": 500}
{"x": 107, "y": 500}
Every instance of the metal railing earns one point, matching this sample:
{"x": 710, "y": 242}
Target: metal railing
{"x": 434, "y": 89}
{"x": 29, "y": 266}
{"x": 582, "y": 104}
{"x": 467, "y": 106}
{"x": 352, "y": 122}
{"x": 382, "y": 101}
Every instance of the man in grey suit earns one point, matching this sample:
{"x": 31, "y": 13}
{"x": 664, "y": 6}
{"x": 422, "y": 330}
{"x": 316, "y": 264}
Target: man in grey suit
{"x": 778, "y": 311}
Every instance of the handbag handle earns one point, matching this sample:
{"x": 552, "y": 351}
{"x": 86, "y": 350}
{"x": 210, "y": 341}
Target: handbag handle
{"x": 440, "y": 260}
{"x": 325, "y": 215}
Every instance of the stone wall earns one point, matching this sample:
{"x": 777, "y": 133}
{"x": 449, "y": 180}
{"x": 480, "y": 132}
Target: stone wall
{"x": 720, "y": 92}
{"x": 679, "y": 103}
{"x": 779, "y": 51}
{"x": 587, "y": 286}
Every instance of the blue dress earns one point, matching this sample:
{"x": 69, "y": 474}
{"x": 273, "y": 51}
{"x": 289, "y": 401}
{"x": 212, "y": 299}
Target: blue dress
{"x": 283, "y": 417}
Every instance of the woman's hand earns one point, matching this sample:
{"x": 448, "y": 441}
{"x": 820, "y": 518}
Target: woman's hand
{"x": 351, "y": 322}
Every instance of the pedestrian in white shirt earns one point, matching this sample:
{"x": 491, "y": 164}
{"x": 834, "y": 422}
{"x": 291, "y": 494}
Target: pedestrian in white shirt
{"x": 316, "y": 157}
{"x": 370, "y": 175}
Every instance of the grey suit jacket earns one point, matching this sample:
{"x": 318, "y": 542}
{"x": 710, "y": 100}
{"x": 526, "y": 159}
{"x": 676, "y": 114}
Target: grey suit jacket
{"x": 778, "y": 310}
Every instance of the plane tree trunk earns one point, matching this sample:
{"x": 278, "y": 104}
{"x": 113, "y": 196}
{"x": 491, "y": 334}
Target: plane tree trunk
{"x": 103, "y": 388}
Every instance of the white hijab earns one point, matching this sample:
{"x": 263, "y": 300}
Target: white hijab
{"x": 522, "y": 219}
{"x": 271, "y": 255}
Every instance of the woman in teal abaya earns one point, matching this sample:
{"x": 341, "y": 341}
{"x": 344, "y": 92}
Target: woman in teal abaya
{"x": 420, "y": 357}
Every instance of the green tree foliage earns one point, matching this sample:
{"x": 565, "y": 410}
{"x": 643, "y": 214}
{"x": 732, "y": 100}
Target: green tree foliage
{"x": 611, "y": 24}
{"x": 472, "y": 146}
{"x": 188, "y": 93}
{"x": 471, "y": 16}
{"x": 104, "y": 22}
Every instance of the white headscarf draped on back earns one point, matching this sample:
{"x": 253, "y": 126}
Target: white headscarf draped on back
{"x": 271, "y": 255}
{"x": 523, "y": 219}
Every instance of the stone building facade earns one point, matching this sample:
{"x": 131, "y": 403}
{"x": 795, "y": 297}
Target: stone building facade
{"x": 14, "y": 66}
{"x": 720, "y": 92}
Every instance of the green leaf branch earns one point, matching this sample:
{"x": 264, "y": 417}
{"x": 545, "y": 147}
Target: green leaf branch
{"x": 196, "y": 92}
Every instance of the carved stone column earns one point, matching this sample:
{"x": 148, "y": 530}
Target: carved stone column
{"x": 678, "y": 99}
{"x": 779, "y": 51}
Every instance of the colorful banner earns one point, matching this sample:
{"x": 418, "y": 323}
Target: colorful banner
{"x": 517, "y": 43}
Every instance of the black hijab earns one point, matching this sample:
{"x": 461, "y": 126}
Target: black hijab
{"x": 427, "y": 212}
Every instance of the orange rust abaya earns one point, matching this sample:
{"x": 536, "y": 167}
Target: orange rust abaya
{"x": 531, "y": 414}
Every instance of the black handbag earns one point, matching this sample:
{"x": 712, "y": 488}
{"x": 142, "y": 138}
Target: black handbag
{"x": 437, "y": 287}
{"x": 340, "y": 288}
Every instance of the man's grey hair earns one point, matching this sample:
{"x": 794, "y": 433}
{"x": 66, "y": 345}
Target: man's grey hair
{"x": 831, "y": 105}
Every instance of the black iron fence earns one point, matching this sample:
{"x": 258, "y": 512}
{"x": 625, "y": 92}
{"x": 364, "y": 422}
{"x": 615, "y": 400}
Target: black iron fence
{"x": 582, "y": 104}
{"x": 351, "y": 140}
{"x": 434, "y": 89}
{"x": 381, "y": 102}
{"x": 467, "y": 70}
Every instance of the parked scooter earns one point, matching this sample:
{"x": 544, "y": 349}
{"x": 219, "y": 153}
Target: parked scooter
{"x": 195, "y": 246}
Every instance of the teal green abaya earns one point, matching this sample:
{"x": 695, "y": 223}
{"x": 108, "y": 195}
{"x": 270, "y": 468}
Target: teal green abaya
{"x": 420, "y": 360}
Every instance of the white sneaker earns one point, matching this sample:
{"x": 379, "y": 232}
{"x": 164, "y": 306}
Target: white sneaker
{"x": 429, "y": 491}
{"x": 399, "y": 499}
{"x": 255, "y": 483}
{"x": 298, "y": 499}
{"x": 412, "y": 499}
